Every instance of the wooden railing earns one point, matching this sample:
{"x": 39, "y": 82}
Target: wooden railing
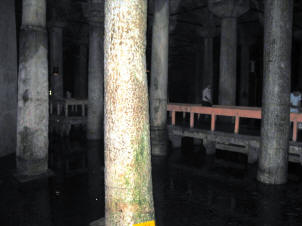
{"x": 236, "y": 112}
{"x": 64, "y": 104}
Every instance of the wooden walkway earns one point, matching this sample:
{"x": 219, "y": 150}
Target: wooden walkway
{"x": 201, "y": 122}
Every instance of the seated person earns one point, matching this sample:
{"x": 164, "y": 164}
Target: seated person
{"x": 207, "y": 96}
{"x": 295, "y": 104}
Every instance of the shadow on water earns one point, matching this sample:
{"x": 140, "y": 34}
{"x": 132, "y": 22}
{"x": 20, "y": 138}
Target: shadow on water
{"x": 189, "y": 187}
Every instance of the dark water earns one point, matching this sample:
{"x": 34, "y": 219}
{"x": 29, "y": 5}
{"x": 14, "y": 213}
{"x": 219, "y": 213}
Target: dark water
{"x": 188, "y": 190}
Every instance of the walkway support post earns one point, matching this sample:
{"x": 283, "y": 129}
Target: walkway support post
{"x": 32, "y": 122}
{"x": 275, "y": 125}
{"x": 128, "y": 182}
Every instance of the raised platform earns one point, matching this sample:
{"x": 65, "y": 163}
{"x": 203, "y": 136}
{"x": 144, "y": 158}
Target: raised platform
{"x": 245, "y": 144}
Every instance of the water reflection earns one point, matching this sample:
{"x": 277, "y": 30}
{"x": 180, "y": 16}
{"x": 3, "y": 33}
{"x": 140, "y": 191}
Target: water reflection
{"x": 270, "y": 204}
{"x": 160, "y": 184}
{"x": 198, "y": 191}
{"x": 34, "y": 206}
{"x": 95, "y": 154}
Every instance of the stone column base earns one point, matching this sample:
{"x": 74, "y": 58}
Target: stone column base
{"x": 159, "y": 140}
{"x": 21, "y": 178}
{"x": 31, "y": 167}
{"x": 175, "y": 141}
{"x": 252, "y": 154}
{"x": 209, "y": 146}
{"x": 99, "y": 222}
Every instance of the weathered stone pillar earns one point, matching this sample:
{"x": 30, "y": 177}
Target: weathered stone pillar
{"x": 128, "y": 182}
{"x": 159, "y": 77}
{"x": 208, "y": 32}
{"x": 96, "y": 71}
{"x": 197, "y": 78}
{"x": 244, "y": 74}
{"x": 299, "y": 85}
{"x": 32, "y": 124}
{"x": 8, "y": 78}
{"x": 273, "y": 160}
{"x": 228, "y": 10}
{"x": 80, "y": 85}
{"x": 56, "y": 58}
{"x": 246, "y": 40}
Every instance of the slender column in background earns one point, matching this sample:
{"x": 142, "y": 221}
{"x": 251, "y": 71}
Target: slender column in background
{"x": 8, "y": 78}
{"x": 197, "y": 78}
{"x": 32, "y": 123}
{"x": 208, "y": 32}
{"x": 246, "y": 40}
{"x": 128, "y": 181}
{"x": 273, "y": 160}
{"x": 229, "y": 11}
{"x": 56, "y": 58}
{"x": 159, "y": 77}
{"x": 96, "y": 71}
{"x": 80, "y": 85}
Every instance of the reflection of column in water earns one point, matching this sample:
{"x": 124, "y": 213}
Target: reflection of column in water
{"x": 269, "y": 204}
{"x": 160, "y": 181}
{"x": 96, "y": 179}
{"x": 34, "y": 207}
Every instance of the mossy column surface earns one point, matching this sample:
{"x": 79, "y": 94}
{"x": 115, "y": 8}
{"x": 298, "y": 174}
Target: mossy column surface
{"x": 96, "y": 71}
{"x": 128, "y": 183}
{"x": 32, "y": 123}
{"x": 159, "y": 77}
{"x": 229, "y": 11}
{"x": 273, "y": 160}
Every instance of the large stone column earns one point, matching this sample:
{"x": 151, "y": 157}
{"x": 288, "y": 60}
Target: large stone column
{"x": 128, "y": 181}
{"x": 80, "y": 83}
{"x": 159, "y": 77}
{"x": 228, "y": 10}
{"x": 56, "y": 58}
{"x": 273, "y": 160}
{"x": 96, "y": 71}
{"x": 8, "y": 78}
{"x": 32, "y": 124}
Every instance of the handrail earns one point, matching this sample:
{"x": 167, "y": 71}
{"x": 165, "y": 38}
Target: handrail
{"x": 230, "y": 111}
{"x": 65, "y": 103}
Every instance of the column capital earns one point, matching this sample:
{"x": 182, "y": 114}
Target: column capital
{"x": 56, "y": 24}
{"x": 228, "y": 8}
{"x": 94, "y": 12}
{"x": 208, "y": 29}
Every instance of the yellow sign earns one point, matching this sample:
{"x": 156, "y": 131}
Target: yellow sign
{"x": 149, "y": 223}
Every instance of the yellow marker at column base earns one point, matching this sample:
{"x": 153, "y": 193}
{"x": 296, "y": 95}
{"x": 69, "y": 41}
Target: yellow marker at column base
{"x": 149, "y": 223}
